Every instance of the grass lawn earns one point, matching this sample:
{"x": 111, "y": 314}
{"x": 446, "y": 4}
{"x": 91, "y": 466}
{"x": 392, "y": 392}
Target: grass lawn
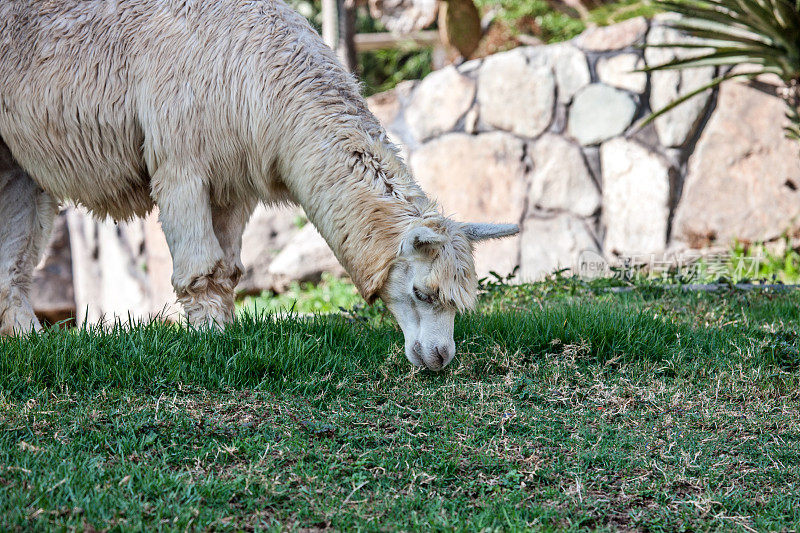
{"x": 566, "y": 408}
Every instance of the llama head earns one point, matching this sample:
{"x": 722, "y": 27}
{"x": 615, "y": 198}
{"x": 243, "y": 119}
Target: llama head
{"x": 431, "y": 280}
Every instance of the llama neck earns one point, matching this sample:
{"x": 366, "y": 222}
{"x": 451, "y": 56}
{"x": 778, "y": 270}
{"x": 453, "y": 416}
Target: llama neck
{"x": 362, "y": 200}
{"x": 334, "y": 159}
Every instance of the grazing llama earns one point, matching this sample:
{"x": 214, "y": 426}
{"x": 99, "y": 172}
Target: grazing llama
{"x": 205, "y": 109}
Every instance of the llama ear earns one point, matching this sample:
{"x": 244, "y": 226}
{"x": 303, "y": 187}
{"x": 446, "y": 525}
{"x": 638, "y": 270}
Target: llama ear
{"x": 481, "y": 232}
{"x": 418, "y": 238}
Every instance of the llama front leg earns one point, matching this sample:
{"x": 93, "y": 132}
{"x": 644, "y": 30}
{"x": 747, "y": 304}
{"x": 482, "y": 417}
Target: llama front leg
{"x": 27, "y": 214}
{"x": 229, "y": 223}
{"x": 200, "y": 276}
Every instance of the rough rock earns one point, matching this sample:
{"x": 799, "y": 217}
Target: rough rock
{"x": 560, "y": 180}
{"x": 163, "y": 301}
{"x": 591, "y": 155}
{"x": 439, "y": 101}
{"x": 676, "y": 126}
{"x": 477, "y": 178}
{"x": 471, "y": 120}
{"x": 269, "y": 230}
{"x": 636, "y": 195}
{"x": 52, "y": 295}
{"x": 385, "y": 106}
{"x": 599, "y": 112}
{"x": 552, "y": 243}
{"x": 617, "y": 71}
{"x": 559, "y": 122}
{"x": 399, "y": 143}
{"x": 304, "y": 258}
{"x": 743, "y": 179}
{"x": 515, "y": 94}
{"x": 404, "y": 90}
{"x": 109, "y": 269}
{"x": 404, "y": 16}
{"x": 468, "y": 67}
{"x": 569, "y": 65}
{"x": 615, "y": 37}
{"x": 388, "y": 105}
{"x": 388, "y": 110}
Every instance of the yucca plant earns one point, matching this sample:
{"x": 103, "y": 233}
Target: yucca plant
{"x": 761, "y": 33}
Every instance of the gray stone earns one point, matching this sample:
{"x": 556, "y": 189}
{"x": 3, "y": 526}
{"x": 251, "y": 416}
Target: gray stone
{"x": 647, "y": 136}
{"x": 439, "y": 101}
{"x": 559, "y": 122}
{"x": 397, "y": 141}
{"x": 569, "y": 65}
{"x": 304, "y": 258}
{"x": 617, "y": 71}
{"x": 404, "y": 90}
{"x": 388, "y": 110}
{"x": 591, "y": 154}
{"x": 599, "y": 112}
{"x": 52, "y": 294}
{"x": 636, "y": 194}
{"x": 404, "y": 16}
{"x": 676, "y": 126}
{"x": 267, "y": 233}
{"x": 515, "y": 94}
{"x": 614, "y": 37}
{"x": 385, "y": 106}
{"x": 553, "y": 243}
{"x": 120, "y": 270}
{"x": 471, "y": 120}
{"x": 477, "y": 178}
{"x": 161, "y": 295}
{"x": 110, "y": 276}
{"x": 743, "y": 179}
{"x": 560, "y": 180}
{"x": 572, "y": 70}
{"x": 468, "y": 67}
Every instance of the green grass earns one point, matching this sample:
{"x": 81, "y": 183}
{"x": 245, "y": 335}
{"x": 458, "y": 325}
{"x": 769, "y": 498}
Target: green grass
{"x": 549, "y": 24}
{"x": 567, "y": 408}
{"x": 330, "y": 295}
{"x": 764, "y": 262}
{"x": 615, "y": 12}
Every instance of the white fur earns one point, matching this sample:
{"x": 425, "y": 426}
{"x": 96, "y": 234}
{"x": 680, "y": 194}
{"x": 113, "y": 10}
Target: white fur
{"x": 26, "y": 220}
{"x": 204, "y": 109}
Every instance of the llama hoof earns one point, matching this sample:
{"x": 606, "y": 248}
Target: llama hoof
{"x": 209, "y": 299}
{"x": 18, "y": 322}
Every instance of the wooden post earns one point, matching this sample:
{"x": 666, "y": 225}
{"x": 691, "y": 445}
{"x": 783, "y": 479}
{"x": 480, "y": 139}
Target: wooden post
{"x": 339, "y": 28}
{"x": 366, "y": 42}
{"x": 330, "y": 23}
{"x": 346, "y": 48}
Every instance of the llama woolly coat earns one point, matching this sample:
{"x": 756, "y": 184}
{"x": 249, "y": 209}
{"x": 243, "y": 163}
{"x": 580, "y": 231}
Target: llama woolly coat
{"x": 102, "y": 102}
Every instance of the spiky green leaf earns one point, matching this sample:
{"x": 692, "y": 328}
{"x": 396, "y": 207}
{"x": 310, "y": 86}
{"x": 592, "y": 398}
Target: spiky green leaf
{"x": 761, "y": 33}
{"x": 675, "y": 103}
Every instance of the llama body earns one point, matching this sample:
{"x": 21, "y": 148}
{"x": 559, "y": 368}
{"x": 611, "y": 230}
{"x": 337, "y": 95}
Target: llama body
{"x": 98, "y": 96}
{"x": 205, "y": 109}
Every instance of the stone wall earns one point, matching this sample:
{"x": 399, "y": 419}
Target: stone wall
{"x": 551, "y": 137}
{"x": 545, "y": 136}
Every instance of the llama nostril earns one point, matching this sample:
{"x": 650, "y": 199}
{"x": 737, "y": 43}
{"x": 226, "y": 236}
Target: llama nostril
{"x": 417, "y": 349}
{"x": 441, "y": 354}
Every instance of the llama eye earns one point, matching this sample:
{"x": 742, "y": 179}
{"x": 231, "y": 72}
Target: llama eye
{"x": 421, "y": 296}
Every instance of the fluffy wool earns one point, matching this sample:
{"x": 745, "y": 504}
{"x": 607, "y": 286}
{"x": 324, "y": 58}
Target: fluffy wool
{"x": 26, "y": 218}
{"x": 205, "y": 109}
